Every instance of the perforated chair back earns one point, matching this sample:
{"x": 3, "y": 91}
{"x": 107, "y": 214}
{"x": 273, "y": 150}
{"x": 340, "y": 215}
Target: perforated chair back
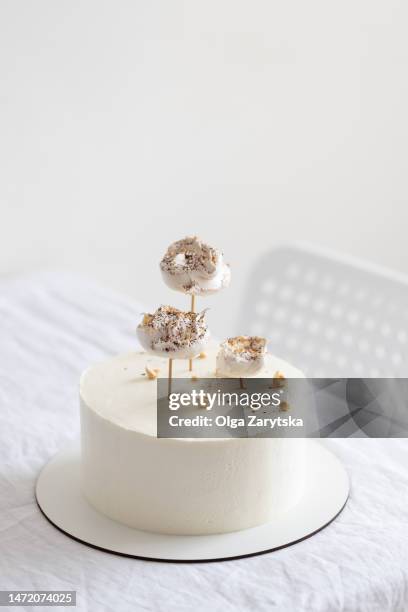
{"x": 330, "y": 316}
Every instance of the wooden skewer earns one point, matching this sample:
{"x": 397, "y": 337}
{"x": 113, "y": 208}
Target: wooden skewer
{"x": 170, "y": 375}
{"x": 241, "y": 384}
{"x": 190, "y": 362}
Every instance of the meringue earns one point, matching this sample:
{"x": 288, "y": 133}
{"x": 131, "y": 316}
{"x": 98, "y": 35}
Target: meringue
{"x": 192, "y": 266}
{"x": 241, "y": 356}
{"x": 172, "y": 333}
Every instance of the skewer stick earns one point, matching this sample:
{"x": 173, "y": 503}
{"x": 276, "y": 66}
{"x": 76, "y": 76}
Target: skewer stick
{"x": 241, "y": 384}
{"x": 170, "y": 375}
{"x": 190, "y": 362}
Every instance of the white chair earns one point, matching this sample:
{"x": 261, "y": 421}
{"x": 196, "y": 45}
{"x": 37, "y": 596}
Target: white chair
{"x": 336, "y": 317}
{"x": 331, "y": 316}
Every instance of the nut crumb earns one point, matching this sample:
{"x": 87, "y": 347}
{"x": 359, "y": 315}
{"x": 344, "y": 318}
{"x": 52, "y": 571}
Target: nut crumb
{"x": 194, "y": 377}
{"x": 284, "y": 406}
{"x": 151, "y": 374}
{"x": 202, "y": 355}
{"x": 278, "y": 380}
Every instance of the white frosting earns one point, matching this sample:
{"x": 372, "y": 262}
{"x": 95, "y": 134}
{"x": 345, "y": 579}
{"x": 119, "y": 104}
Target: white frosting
{"x": 241, "y": 356}
{"x": 193, "y": 267}
{"x": 178, "y": 486}
{"x": 197, "y": 283}
{"x": 162, "y": 348}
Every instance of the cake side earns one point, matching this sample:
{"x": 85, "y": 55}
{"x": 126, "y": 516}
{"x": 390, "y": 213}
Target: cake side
{"x": 184, "y": 487}
{"x": 178, "y": 486}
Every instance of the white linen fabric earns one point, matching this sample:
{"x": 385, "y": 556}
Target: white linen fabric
{"x": 52, "y": 327}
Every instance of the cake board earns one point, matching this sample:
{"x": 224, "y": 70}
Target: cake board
{"x": 59, "y": 496}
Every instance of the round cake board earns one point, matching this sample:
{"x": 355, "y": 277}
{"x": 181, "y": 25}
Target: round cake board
{"x": 59, "y": 497}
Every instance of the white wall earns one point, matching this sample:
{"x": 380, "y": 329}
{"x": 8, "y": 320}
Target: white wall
{"x": 125, "y": 125}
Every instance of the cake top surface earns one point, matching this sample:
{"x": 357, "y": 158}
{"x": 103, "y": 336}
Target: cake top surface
{"x": 119, "y": 390}
{"x": 191, "y": 255}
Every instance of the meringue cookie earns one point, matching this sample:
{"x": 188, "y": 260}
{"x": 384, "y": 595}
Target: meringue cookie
{"x": 193, "y": 267}
{"x": 241, "y": 356}
{"x": 172, "y": 333}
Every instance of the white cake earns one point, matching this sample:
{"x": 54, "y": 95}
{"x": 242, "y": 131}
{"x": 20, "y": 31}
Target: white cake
{"x": 178, "y": 486}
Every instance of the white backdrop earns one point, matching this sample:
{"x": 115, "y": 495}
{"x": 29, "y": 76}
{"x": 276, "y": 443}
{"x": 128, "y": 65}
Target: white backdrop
{"x": 125, "y": 125}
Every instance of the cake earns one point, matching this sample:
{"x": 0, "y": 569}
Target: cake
{"x": 178, "y": 486}
{"x": 183, "y": 486}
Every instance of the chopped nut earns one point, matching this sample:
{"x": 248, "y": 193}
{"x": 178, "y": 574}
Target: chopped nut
{"x": 278, "y": 380}
{"x": 284, "y": 406}
{"x": 194, "y": 377}
{"x": 202, "y": 355}
{"x": 147, "y": 318}
{"x": 151, "y": 374}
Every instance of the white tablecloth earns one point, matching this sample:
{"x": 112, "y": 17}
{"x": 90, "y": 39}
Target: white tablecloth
{"x": 52, "y": 327}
